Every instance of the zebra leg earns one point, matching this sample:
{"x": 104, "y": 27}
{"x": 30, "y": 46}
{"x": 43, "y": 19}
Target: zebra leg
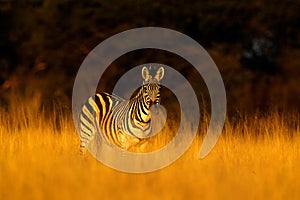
{"x": 87, "y": 136}
{"x": 88, "y": 120}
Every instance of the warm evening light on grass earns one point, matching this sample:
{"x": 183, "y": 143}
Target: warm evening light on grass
{"x": 255, "y": 158}
{"x": 237, "y": 61}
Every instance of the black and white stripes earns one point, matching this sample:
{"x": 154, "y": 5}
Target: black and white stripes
{"x": 118, "y": 121}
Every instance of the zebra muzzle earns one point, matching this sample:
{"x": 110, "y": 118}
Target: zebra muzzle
{"x": 154, "y": 106}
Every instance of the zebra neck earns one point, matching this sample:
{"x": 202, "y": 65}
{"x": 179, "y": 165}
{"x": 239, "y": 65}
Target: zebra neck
{"x": 142, "y": 109}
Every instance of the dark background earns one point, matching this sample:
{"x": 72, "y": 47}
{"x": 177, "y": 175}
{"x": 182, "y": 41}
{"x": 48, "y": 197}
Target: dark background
{"x": 255, "y": 45}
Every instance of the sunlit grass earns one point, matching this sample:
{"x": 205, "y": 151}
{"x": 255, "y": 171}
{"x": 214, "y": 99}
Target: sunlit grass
{"x": 257, "y": 157}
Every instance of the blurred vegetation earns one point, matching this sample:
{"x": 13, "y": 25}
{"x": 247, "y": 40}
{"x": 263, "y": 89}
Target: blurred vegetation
{"x": 255, "y": 44}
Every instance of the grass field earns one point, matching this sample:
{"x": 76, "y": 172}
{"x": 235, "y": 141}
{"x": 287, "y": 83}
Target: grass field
{"x": 255, "y": 158}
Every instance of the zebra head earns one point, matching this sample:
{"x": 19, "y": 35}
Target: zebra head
{"x": 151, "y": 87}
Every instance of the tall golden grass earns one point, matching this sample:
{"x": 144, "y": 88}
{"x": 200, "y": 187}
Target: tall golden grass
{"x": 257, "y": 157}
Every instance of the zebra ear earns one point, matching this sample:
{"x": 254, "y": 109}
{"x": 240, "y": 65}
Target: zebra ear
{"x": 159, "y": 74}
{"x": 145, "y": 73}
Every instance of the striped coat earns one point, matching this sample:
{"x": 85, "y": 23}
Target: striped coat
{"x": 118, "y": 121}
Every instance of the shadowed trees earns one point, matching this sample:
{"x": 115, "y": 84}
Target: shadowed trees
{"x": 45, "y": 41}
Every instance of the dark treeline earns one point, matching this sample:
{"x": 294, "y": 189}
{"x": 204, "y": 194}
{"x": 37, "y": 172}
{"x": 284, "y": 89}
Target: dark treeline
{"x": 255, "y": 44}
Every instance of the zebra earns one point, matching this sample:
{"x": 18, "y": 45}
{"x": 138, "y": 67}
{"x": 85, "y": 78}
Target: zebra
{"x": 118, "y": 121}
